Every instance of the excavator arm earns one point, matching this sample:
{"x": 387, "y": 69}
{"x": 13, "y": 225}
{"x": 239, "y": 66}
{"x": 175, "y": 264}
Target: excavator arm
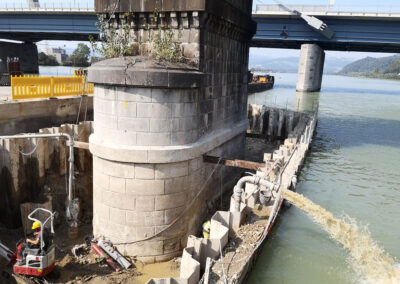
{"x": 6, "y": 253}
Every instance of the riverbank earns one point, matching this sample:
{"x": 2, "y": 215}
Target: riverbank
{"x": 387, "y": 76}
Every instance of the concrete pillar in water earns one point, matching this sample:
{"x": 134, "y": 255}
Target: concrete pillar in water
{"x": 311, "y": 67}
{"x": 153, "y": 122}
{"x": 307, "y": 102}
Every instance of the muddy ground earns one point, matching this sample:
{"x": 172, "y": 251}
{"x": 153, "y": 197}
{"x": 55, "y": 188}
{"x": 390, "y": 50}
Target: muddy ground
{"x": 88, "y": 269}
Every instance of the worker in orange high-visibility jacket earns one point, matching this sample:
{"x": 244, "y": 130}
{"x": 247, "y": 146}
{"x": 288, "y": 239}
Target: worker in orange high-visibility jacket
{"x": 206, "y": 229}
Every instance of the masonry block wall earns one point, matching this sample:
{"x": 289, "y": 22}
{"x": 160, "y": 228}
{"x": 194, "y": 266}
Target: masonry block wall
{"x": 154, "y": 121}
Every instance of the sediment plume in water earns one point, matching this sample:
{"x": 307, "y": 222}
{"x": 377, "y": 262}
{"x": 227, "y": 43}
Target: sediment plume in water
{"x": 374, "y": 262}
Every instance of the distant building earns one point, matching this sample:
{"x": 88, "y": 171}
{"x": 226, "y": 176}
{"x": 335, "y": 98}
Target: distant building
{"x": 59, "y": 53}
{"x": 33, "y": 4}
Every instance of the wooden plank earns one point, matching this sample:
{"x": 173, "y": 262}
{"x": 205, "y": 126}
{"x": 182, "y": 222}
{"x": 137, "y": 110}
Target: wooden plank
{"x": 233, "y": 163}
{"x": 80, "y": 145}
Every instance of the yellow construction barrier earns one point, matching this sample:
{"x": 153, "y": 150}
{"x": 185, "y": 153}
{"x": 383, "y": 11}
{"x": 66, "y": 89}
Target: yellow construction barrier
{"x": 33, "y": 87}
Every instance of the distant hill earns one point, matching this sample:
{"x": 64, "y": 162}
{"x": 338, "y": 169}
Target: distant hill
{"x": 291, "y": 64}
{"x": 371, "y": 65}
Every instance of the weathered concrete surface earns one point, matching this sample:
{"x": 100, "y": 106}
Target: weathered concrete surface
{"x": 31, "y": 115}
{"x": 26, "y": 52}
{"x": 311, "y": 68}
{"x": 136, "y": 199}
{"x": 148, "y": 145}
{"x": 154, "y": 121}
{"x": 218, "y": 31}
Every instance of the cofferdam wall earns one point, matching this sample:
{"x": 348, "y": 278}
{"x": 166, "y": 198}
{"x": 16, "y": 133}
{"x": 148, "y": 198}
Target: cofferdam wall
{"x": 31, "y": 115}
{"x": 34, "y": 170}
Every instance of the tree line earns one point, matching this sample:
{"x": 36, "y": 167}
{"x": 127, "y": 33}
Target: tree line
{"x": 80, "y": 57}
{"x": 383, "y": 67}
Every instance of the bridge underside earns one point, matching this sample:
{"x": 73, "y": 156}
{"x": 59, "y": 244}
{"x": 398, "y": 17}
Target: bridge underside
{"x": 350, "y": 34}
{"x": 36, "y": 27}
{"x": 35, "y": 37}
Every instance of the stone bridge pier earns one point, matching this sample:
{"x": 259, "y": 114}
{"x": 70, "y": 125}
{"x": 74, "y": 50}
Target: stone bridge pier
{"x": 153, "y": 121}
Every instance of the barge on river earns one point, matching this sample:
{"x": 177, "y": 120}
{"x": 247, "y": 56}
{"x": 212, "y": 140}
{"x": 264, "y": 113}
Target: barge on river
{"x": 277, "y": 142}
{"x": 260, "y": 83}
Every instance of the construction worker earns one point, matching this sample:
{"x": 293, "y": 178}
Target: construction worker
{"x": 206, "y": 229}
{"x": 30, "y": 243}
{"x": 34, "y": 243}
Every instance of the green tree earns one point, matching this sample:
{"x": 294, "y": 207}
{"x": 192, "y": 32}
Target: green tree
{"x": 47, "y": 60}
{"x": 80, "y": 56}
{"x": 394, "y": 68}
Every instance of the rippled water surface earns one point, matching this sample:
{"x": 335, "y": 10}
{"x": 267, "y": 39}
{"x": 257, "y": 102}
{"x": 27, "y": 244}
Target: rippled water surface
{"x": 353, "y": 169}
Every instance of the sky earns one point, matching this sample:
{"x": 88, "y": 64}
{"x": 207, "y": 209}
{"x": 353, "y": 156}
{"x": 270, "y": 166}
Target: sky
{"x": 373, "y": 5}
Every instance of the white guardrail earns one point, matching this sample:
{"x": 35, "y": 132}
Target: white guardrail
{"x": 88, "y": 6}
{"x": 379, "y": 9}
{"x": 47, "y": 5}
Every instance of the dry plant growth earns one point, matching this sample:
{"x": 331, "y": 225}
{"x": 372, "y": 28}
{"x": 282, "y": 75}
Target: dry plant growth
{"x": 165, "y": 45}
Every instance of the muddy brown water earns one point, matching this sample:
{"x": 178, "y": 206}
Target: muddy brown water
{"x": 367, "y": 255}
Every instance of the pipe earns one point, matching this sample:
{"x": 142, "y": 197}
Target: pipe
{"x": 71, "y": 153}
{"x": 239, "y": 187}
{"x": 108, "y": 259}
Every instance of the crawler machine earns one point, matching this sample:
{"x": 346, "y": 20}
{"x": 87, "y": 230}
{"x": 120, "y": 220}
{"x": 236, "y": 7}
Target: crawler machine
{"x": 29, "y": 261}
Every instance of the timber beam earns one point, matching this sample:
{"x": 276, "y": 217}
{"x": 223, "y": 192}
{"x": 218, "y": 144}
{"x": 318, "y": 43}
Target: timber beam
{"x": 80, "y": 145}
{"x": 233, "y": 163}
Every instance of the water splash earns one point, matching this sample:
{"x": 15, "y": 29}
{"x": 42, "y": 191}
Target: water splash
{"x": 374, "y": 262}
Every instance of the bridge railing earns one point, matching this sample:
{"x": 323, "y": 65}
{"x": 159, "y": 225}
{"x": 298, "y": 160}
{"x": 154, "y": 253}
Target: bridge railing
{"x": 56, "y": 6}
{"x": 34, "y": 87}
{"x": 331, "y": 9}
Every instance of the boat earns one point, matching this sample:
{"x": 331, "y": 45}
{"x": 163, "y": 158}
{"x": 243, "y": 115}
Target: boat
{"x": 260, "y": 83}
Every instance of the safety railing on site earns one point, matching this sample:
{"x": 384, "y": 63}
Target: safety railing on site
{"x": 33, "y": 87}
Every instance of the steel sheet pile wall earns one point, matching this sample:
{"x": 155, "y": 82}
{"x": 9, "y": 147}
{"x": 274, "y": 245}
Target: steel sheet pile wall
{"x": 275, "y": 123}
{"x": 23, "y": 176}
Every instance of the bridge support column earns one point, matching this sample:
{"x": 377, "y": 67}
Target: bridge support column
{"x": 311, "y": 67}
{"x": 26, "y": 52}
{"x": 154, "y": 121}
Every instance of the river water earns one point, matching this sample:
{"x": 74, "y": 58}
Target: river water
{"x": 352, "y": 170}
{"x": 56, "y": 70}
